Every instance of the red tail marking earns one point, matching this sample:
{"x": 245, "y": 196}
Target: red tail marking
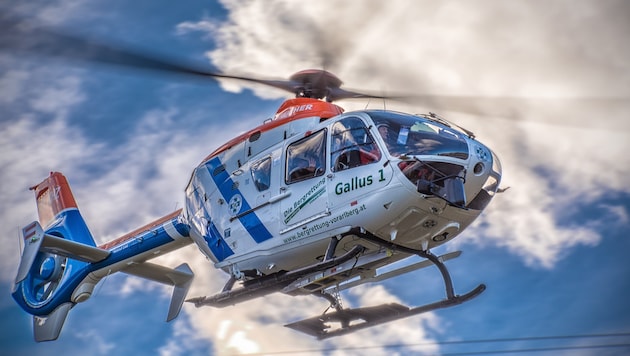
{"x": 30, "y": 230}
{"x": 53, "y": 195}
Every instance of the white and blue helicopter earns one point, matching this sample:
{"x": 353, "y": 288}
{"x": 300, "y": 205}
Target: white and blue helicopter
{"x": 311, "y": 202}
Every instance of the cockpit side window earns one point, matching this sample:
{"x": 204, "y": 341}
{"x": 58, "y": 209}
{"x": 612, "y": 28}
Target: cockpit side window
{"x": 352, "y": 145}
{"x": 261, "y": 174}
{"x": 306, "y": 158}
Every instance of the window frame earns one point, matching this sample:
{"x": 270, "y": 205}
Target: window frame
{"x": 254, "y": 170}
{"x": 374, "y": 154}
{"x": 317, "y": 171}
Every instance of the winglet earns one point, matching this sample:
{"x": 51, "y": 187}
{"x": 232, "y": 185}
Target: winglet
{"x": 49, "y": 327}
{"x": 33, "y": 237}
{"x": 182, "y": 282}
{"x": 180, "y": 277}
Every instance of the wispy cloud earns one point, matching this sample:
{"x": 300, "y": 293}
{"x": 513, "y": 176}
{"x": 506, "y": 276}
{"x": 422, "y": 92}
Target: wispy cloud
{"x": 47, "y": 13}
{"x": 206, "y": 26}
{"x": 101, "y": 346}
{"x": 195, "y": 344}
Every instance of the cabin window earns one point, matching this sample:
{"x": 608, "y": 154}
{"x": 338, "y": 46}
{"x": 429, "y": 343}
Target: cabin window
{"x": 261, "y": 173}
{"x": 352, "y": 145}
{"x": 306, "y": 158}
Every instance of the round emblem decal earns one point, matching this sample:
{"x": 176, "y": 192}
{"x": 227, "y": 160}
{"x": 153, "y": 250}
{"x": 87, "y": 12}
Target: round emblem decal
{"x": 235, "y": 204}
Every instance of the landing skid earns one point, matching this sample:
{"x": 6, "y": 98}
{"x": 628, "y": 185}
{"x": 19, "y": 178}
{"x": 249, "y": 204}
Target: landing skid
{"x": 354, "y": 319}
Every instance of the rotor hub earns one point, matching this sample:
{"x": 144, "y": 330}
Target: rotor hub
{"x": 315, "y": 83}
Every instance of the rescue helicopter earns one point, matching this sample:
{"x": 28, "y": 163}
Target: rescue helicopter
{"x": 312, "y": 202}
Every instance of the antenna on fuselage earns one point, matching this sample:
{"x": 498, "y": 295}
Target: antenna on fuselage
{"x": 384, "y": 99}
{"x": 19, "y": 236}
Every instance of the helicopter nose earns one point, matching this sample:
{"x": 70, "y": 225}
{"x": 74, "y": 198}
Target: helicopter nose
{"x": 452, "y": 190}
{"x": 483, "y": 177}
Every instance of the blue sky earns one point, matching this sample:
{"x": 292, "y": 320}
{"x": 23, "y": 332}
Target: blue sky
{"x": 551, "y": 249}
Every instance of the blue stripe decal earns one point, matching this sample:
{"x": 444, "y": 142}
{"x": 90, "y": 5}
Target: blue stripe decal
{"x": 219, "y": 247}
{"x": 226, "y": 186}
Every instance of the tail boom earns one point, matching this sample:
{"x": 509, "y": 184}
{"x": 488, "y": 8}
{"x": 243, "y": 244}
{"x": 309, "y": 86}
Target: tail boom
{"x": 61, "y": 263}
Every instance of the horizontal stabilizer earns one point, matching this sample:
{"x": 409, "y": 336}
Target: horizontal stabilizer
{"x": 181, "y": 278}
{"x": 180, "y": 291}
{"x": 74, "y": 250}
{"x": 33, "y": 235}
{"x": 36, "y": 240}
{"x": 48, "y": 328}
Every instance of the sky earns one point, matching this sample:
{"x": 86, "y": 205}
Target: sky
{"x": 547, "y": 87}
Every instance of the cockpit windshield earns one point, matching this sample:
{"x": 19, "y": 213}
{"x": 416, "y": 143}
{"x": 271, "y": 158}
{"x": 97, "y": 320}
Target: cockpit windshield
{"x": 413, "y": 135}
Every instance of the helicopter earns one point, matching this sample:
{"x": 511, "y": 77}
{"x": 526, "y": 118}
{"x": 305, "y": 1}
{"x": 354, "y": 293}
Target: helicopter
{"x": 312, "y": 202}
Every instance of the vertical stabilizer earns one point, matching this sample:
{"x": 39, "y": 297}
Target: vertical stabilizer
{"x": 49, "y": 327}
{"x": 53, "y": 196}
{"x": 58, "y": 211}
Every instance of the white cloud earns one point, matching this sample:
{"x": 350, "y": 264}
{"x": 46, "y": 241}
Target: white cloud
{"x": 11, "y": 85}
{"x": 183, "y": 331}
{"x": 619, "y": 213}
{"x": 447, "y": 47}
{"x": 62, "y": 94}
{"x": 409, "y": 331}
{"x": 97, "y": 342}
{"x": 48, "y": 13}
{"x": 205, "y": 26}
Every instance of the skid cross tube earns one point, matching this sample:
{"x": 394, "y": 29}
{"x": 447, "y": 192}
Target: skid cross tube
{"x": 270, "y": 283}
{"x": 448, "y": 282}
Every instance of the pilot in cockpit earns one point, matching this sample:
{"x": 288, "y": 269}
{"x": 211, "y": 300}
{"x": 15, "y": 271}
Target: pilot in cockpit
{"x": 383, "y": 130}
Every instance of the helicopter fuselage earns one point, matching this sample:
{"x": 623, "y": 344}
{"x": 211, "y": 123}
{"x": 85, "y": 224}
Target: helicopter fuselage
{"x": 315, "y": 201}
{"x": 271, "y": 199}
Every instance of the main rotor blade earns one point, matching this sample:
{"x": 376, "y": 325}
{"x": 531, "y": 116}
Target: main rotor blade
{"x": 23, "y": 38}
